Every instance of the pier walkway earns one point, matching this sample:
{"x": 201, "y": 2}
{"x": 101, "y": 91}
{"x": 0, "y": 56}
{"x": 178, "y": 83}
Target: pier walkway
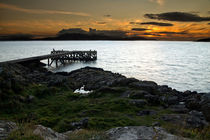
{"x": 59, "y": 56}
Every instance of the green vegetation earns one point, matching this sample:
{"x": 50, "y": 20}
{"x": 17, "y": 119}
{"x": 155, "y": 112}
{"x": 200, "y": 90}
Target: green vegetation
{"x": 25, "y": 132}
{"x": 57, "y": 108}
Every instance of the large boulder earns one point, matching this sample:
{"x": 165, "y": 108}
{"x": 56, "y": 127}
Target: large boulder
{"x": 141, "y": 133}
{"x": 94, "y": 78}
{"x": 48, "y": 134}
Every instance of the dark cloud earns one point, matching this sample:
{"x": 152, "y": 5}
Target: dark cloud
{"x": 177, "y": 16}
{"x": 135, "y": 23}
{"x": 157, "y": 23}
{"x": 170, "y": 33}
{"x": 148, "y": 34}
{"x": 101, "y": 22}
{"x": 107, "y": 15}
{"x": 139, "y": 29}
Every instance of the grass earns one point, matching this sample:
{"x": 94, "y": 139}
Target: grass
{"x": 58, "y": 107}
{"x": 24, "y": 132}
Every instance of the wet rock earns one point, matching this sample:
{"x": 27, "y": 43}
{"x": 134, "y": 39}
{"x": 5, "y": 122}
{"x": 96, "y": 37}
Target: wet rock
{"x": 48, "y": 134}
{"x": 146, "y": 112}
{"x": 140, "y": 133}
{"x": 138, "y": 94}
{"x": 6, "y": 127}
{"x": 138, "y": 102}
{"x": 148, "y": 86}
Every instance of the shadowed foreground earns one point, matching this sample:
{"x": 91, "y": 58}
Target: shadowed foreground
{"x": 32, "y": 98}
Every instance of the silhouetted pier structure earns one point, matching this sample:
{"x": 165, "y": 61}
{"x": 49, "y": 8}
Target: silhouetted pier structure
{"x": 60, "y": 56}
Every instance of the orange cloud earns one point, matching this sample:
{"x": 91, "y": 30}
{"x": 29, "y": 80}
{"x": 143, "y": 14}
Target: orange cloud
{"x": 160, "y": 2}
{"x": 40, "y": 11}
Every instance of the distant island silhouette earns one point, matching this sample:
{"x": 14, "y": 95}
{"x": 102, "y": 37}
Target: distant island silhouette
{"x": 79, "y": 34}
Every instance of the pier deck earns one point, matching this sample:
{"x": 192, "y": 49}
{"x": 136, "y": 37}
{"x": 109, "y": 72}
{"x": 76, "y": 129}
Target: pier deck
{"x": 59, "y": 56}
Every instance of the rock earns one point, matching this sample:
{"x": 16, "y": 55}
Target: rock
{"x": 94, "y": 78}
{"x": 156, "y": 124}
{"x": 148, "y": 86}
{"x": 30, "y": 98}
{"x": 205, "y": 106}
{"x": 140, "y": 133}
{"x": 164, "y": 89}
{"x": 124, "y": 81}
{"x": 138, "y": 102}
{"x": 193, "y": 104}
{"x": 193, "y": 119}
{"x": 107, "y": 89}
{"x": 196, "y": 120}
{"x": 1, "y": 69}
{"x": 178, "y": 119}
{"x": 48, "y": 134}
{"x": 56, "y": 80}
{"x": 138, "y": 94}
{"x": 152, "y": 99}
{"x": 81, "y": 124}
{"x": 179, "y": 108}
{"x": 172, "y": 100}
{"x": 6, "y": 127}
{"x": 146, "y": 112}
{"x": 126, "y": 94}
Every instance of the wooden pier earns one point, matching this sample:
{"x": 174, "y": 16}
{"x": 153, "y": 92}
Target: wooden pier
{"x": 60, "y": 56}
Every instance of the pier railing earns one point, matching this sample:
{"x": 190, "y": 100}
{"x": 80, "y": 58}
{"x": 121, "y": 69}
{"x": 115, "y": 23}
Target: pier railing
{"x": 61, "y": 56}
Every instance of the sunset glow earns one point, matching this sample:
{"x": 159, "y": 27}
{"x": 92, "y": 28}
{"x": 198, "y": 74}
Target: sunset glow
{"x": 156, "y": 17}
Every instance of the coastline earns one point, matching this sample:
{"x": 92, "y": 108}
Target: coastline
{"x": 39, "y": 94}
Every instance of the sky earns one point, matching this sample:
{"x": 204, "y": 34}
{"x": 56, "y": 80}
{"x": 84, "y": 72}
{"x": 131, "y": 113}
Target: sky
{"x": 160, "y": 19}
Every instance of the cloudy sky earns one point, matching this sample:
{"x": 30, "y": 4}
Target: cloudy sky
{"x": 161, "y": 19}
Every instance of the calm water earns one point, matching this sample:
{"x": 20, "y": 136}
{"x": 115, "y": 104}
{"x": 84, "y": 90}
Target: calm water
{"x": 181, "y": 65}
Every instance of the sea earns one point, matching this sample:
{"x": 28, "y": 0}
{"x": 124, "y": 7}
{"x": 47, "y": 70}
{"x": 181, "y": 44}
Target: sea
{"x": 182, "y": 65}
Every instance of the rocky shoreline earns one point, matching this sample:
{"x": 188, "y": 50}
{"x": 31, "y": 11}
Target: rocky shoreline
{"x": 190, "y": 110}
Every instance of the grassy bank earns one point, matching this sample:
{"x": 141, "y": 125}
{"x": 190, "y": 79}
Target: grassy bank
{"x": 59, "y": 107}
